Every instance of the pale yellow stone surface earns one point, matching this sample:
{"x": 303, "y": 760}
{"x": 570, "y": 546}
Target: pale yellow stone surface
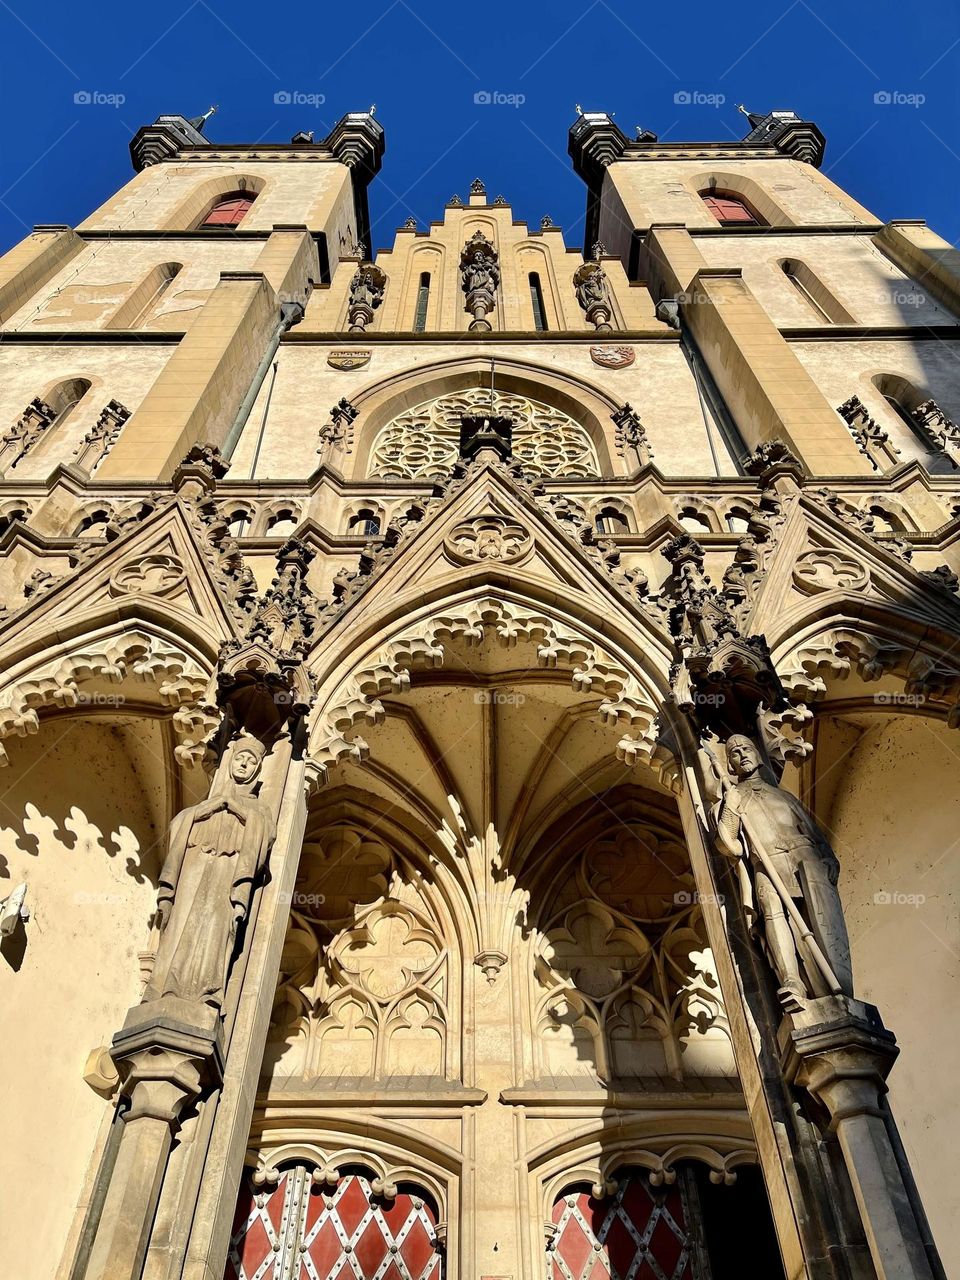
{"x": 90, "y": 872}
{"x": 667, "y": 191}
{"x": 86, "y": 293}
{"x": 894, "y": 821}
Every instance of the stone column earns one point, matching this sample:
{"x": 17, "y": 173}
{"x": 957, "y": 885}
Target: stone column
{"x": 166, "y": 1062}
{"x": 838, "y": 1049}
{"x": 221, "y": 1166}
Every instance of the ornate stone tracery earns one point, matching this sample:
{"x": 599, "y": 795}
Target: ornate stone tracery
{"x": 627, "y": 986}
{"x": 424, "y": 442}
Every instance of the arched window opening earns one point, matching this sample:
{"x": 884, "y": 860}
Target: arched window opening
{"x": 884, "y": 521}
{"x": 154, "y": 287}
{"x": 814, "y": 293}
{"x": 738, "y": 520}
{"x": 11, "y": 517}
{"x": 229, "y": 210}
{"x": 65, "y": 398}
{"x": 238, "y": 523}
{"x": 610, "y": 520}
{"x": 729, "y": 211}
{"x": 282, "y": 523}
{"x": 93, "y": 525}
{"x": 423, "y": 301}
{"x": 366, "y": 523}
{"x": 536, "y": 301}
{"x": 694, "y": 521}
{"x": 900, "y": 409}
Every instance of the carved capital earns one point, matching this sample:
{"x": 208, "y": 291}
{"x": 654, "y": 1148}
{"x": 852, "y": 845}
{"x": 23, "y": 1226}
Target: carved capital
{"x": 165, "y": 1062}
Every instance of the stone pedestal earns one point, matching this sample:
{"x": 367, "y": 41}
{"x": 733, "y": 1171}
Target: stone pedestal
{"x": 167, "y": 1052}
{"x": 838, "y": 1049}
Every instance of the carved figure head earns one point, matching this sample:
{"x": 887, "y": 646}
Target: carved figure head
{"x": 246, "y": 757}
{"x": 743, "y": 755}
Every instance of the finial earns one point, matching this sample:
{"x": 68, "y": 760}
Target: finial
{"x": 599, "y": 251}
{"x": 742, "y": 109}
{"x": 212, "y": 111}
{"x": 373, "y": 109}
{"x": 577, "y": 107}
{"x": 477, "y": 188}
{"x": 545, "y": 222}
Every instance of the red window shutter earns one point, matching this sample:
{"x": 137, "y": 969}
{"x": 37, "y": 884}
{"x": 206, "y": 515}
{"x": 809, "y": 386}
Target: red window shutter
{"x": 228, "y": 213}
{"x": 727, "y": 209}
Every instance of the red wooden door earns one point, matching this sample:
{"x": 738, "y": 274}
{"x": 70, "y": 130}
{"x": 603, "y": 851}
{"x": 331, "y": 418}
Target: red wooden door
{"x": 635, "y": 1234}
{"x": 299, "y": 1231}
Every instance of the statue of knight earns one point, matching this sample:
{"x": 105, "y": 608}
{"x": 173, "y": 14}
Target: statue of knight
{"x": 217, "y": 849}
{"x": 795, "y": 872}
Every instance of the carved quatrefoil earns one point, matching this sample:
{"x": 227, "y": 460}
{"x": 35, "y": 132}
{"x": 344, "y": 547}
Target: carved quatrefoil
{"x": 825, "y": 570}
{"x": 488, "y": 538}
{"x": 155, "y": 575}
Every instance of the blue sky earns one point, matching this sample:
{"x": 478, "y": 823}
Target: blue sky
{"x": 424, "y": 63}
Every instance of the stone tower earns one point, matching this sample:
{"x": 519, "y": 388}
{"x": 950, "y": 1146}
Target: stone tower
{"x": 479, "y": 721}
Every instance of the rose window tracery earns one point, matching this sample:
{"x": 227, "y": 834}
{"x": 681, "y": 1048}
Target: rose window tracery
{"x": 425, "y": 441}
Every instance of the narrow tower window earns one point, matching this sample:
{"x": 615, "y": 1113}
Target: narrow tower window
{"x": 729, "y": 210}
{"x": 814, "y": 293}
{"x": 423, "y": 298}
{"x": 536, "y": 300}
{"x": 229, "y": 211}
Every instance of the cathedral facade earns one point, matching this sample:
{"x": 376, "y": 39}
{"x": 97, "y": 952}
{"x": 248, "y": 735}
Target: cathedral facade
{"x": 479, "y": 724}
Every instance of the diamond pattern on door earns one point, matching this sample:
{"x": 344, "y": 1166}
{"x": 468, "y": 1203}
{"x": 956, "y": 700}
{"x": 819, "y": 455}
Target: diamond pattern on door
{"x": 351, "y": 1234}
{"x": 632, "y": 1235}
{"x": 258, "y": 1227}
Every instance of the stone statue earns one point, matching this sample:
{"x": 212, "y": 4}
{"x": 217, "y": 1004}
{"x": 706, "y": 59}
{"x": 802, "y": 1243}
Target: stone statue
{"x": 216, "y": 850}
{"x": 593, "y": 294}
{"x": 791, "y": 859}
{"x": 366, "y": 294}
{"x": 479, "y": 278}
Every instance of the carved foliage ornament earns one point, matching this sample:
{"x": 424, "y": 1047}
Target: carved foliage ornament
{"x": 488, "y": 538}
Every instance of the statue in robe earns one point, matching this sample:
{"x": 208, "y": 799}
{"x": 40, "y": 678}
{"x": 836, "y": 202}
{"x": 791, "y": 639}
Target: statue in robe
{"x": 217, "y": 848}
{"x": 757, "y": 815}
